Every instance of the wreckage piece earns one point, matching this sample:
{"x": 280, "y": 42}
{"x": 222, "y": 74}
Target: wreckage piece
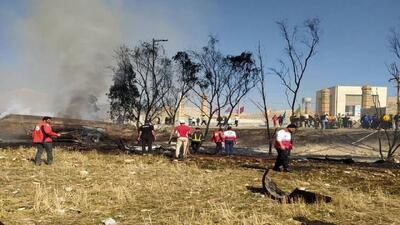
{"x": 307, "y": 196}
{"x": 137, "y": 149}
{"x": 331, "y": 159}
{"x": 272, "y": 189}
{"x": 297, "y": 195}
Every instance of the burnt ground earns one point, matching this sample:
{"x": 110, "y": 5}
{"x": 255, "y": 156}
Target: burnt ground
{"x": 252, "y": 142}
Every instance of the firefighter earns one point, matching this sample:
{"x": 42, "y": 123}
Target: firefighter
{"x": 196, "y": 139}
{"x": 283, "y": 145}
{"x": 146, "y": 136}
{"x": 42, "y": 138}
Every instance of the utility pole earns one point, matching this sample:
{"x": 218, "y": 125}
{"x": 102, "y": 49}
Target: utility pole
{"x": 154, "y": 41}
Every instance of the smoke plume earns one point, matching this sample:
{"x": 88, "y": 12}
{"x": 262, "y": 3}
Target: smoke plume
{"x": 72, "y": 42}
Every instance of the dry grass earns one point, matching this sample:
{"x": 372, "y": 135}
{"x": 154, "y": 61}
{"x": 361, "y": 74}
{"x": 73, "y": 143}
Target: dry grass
{"x": 153, "y": 190}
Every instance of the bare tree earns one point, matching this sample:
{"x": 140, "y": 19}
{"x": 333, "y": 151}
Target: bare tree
{"x": 299, "y": 49}
{"x": 153, "y": 70}
{"x": 242, "y": 78}
{"x": 212, "y": 81}
{"x": 263, "y": 93}
{"x": 392, "y": 138}
{"x": 179, "y": 86}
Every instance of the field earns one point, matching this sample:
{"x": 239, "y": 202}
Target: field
{"x": 88, "y": 187}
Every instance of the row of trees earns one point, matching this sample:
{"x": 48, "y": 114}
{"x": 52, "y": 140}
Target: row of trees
{"x": 146, "y": 82}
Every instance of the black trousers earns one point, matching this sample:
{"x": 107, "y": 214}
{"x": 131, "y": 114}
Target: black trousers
{"x": 49, "y": 150}
{"x": 218, "y": 147}
{"x": 195, "y": 146}
{"x": 282, "y": 159}
{"x": 146, "y": 142}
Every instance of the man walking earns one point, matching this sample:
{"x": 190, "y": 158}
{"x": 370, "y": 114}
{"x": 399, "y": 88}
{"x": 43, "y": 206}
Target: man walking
{"x": 283, "y": 145}
{"x": 230, "y": 140}
{"x": 42, "y": 137}
{"x": 183, "y": 131}
{"x": 146, "y": 136}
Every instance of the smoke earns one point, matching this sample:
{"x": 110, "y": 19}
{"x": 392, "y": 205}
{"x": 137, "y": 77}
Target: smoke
{"x": 71, "y": 43}
{"x": 58, "y": 52}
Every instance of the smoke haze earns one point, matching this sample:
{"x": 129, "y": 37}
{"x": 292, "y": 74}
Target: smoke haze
{"x": 60, "y": 52}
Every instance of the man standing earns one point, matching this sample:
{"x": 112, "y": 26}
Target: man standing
{"x": 236, "y": 120}
{"x": 196, "y": 139}
{"x": 146, "y": 136}
{"x": 275, "y": 120}
{"x": 283, "y": 145}
{"x": 230, "y": 140}
{"x": 183, "y": 131}
{"x": 218, "y": 138}
{"x": 42, "y": 137}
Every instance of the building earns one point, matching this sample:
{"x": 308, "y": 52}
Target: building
{"x": 349, "y": 100}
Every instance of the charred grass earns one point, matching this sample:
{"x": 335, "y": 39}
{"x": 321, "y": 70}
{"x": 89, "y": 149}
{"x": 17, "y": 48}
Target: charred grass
{"x": 87, "y": 187}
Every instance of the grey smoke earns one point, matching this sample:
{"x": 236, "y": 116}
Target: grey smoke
{"x": 74, "y": 40}
{"x": 61, "y": 49}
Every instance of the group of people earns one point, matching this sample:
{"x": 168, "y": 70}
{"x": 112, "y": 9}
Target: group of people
{"x": 385, "y": 121}
{"x": 278, "y": 120}
{"x": 224, "y": 140}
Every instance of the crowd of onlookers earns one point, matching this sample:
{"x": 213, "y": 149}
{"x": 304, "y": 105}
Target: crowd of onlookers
{"x": 344, "y": 121}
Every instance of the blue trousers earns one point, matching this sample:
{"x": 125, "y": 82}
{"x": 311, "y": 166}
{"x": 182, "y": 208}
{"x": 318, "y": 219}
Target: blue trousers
{"x": 229, "y": 147}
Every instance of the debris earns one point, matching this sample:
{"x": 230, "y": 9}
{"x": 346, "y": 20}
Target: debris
{"x": 208, "y": 171}
{"x": 20, "y": 209}
{"x": 109, "y": 221}
{"x": 60, "y": 211}
{"x": 331, "y": 159}
{"x": 272, "y": 190}
{"x": 307, "y": 196}
{"x": 83, "y": 173}
{"x": 129, "y": 160}
{"x": 68, "y": 189}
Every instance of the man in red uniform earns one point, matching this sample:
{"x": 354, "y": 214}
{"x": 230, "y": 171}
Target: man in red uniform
{"x": 218, "y": 138}
{"x": 284, "y": 145}
{"x": 42, "y": 137}
{"x": 183, "y": 131}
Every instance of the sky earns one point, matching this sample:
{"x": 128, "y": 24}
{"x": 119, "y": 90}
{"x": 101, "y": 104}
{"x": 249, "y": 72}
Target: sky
{"x": 353, "y": 48}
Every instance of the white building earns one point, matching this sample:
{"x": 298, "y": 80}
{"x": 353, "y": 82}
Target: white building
{"x": 350, "y": 100}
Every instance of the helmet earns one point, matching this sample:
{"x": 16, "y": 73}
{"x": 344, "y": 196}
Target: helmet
{"x": 386, "y": 118}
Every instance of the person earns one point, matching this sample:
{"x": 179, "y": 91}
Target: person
{"x": 220, "y": 121}
{"x": 230, "y": 140}
{"x": 146, "y": 136}
{"x": 280, "y": 120}
{"x": 42, "y": 138}
{"x": 203, "y": 120}
{"x": 196, "y": 139}
{"x": 236, "y": 121}
{"x": 183, "y": 131}
{"x": 275, "y": 120}
{"x": 284, "y": 145}
{"x": 198, "y": 121}
{"x": 218, "y": 138}
{"x": 396, "y": 119}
